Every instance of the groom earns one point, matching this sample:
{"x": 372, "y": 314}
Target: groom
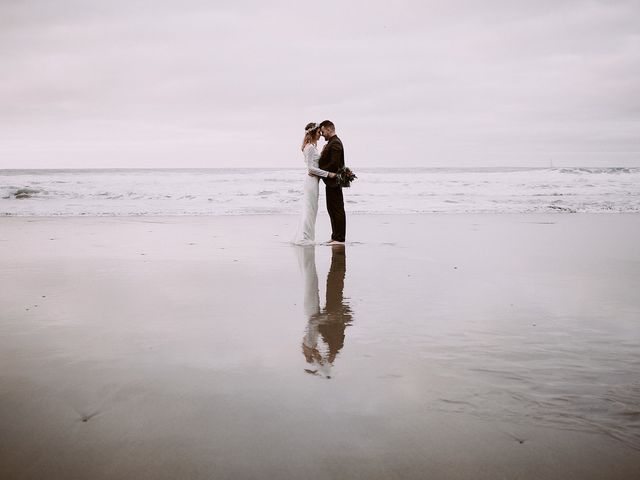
{"x": 332, "y": 159}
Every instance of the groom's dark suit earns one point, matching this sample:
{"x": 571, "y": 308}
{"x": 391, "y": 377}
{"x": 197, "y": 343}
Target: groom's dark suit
{"x": 337, "y": 313}
{"x": 332, "y": 159}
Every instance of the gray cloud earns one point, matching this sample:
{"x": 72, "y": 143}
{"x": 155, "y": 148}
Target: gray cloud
{"x": 430, "y": 83}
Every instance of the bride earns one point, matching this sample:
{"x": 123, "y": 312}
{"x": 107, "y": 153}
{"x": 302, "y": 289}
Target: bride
{"x": 306, "y": 233}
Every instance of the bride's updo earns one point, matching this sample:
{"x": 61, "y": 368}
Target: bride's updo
{"x": 310, "y": 134}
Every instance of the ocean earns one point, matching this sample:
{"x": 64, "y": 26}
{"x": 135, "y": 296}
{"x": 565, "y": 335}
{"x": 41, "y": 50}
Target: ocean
{"x": 244, "y": 191}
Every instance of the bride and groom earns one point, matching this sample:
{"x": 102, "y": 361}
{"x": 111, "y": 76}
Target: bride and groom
{"x": 323, "y": 165}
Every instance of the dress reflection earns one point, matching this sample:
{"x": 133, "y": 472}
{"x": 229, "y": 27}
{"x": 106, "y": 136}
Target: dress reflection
{"x": 325, "y": 332}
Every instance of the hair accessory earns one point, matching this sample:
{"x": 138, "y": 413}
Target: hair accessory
{"x": 311, "y": 129}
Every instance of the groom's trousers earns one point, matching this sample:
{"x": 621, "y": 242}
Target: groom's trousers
{"x": 335, "y": 207}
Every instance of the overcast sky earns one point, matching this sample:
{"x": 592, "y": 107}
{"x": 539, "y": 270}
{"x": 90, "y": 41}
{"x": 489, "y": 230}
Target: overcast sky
{"x": 126, "y": 83}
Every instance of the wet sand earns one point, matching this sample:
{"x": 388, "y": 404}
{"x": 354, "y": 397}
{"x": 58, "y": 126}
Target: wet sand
{"x": 431, "y": 346}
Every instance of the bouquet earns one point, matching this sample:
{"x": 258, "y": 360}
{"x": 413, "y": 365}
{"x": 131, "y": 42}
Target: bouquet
{"x": 345, "y": 176}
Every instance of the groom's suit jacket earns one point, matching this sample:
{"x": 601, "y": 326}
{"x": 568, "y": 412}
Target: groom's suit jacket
{"x": 332, "y": 159}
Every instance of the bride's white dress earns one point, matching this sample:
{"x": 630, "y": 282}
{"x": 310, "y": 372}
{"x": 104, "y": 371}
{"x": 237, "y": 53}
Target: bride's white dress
{"x": 306, "y": 233}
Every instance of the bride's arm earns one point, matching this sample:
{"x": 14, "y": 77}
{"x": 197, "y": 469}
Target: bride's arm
{"x": 315, "y": 171}
{"x": 319, "y": 173}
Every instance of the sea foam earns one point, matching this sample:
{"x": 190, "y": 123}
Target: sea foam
{"x": 278, "y": 191}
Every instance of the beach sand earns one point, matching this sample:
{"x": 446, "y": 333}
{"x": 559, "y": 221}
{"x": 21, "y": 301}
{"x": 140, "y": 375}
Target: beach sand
{"x": 430, "y": 346}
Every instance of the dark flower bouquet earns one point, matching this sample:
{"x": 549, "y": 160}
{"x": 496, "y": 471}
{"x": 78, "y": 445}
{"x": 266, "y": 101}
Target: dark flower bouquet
{"x": 345, "y": 176}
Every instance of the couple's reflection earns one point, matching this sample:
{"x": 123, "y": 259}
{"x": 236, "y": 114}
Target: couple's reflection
{"x": 324, "y": 336}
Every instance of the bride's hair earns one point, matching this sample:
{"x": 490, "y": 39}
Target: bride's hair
{"x": 309, "y": 133}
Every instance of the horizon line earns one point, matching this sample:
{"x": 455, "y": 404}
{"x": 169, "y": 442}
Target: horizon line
{"x": 539, "y": 167}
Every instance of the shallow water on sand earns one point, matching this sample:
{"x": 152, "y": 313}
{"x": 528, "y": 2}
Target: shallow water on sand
{"x": 524, "y": 347}
{"x": 217, "y": 344}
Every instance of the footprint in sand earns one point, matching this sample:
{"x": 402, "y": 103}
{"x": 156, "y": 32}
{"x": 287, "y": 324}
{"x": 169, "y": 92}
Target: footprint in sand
{"x": 86, "y": 417}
